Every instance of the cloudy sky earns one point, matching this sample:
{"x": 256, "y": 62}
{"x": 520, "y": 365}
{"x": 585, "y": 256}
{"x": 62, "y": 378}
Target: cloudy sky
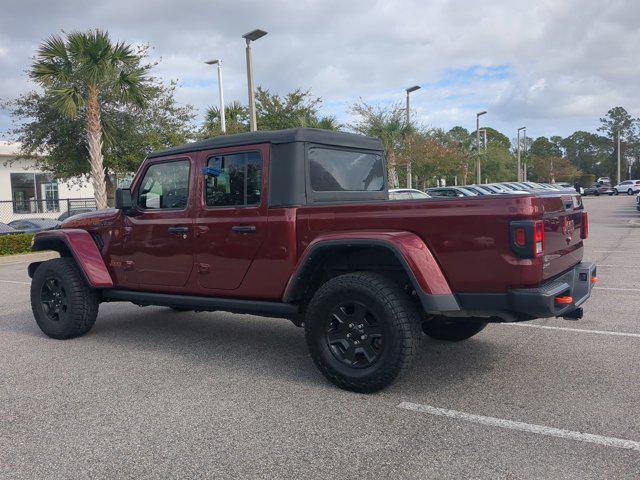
{"x": 554, "y": 66}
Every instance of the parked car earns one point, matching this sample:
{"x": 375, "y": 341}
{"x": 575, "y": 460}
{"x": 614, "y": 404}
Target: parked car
{"x": 74, "y": 211}
{"x": 33, "y": 225}
{"x": 8, "y": 230}
{"x": 510, "y": 188}
{"x": 406, "y": 194}
{"x": 598, "y": 189}
{"x": 450, "y": 192}
{"x": 628, "y": 186}
{"x": 296, "y": 224}
{"x": 480, "y": 190}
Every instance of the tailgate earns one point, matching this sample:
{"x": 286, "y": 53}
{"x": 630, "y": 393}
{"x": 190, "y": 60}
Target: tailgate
{"x": 562, "y": 229}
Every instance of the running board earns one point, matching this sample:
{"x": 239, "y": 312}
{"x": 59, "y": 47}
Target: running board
{"x": 268, "y": 309}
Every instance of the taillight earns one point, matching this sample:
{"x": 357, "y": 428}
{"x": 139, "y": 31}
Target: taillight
{"x": 538, "y": 237}
{"x": 584, "y": 230}
{"x": 527, "y": 238}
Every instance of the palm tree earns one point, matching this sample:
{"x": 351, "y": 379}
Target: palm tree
{"x": 81, "y": 70}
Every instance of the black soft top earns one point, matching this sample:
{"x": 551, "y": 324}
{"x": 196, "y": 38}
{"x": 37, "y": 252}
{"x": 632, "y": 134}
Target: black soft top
{"x": 291, "y": 135}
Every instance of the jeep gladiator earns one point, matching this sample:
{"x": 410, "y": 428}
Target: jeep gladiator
{"x": 298, "y": 224}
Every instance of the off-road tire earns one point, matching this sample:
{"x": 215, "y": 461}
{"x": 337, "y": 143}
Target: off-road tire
{"x": 79, "y": 314}
{"x": 388, "y": 306}
{"x": 452, "y": 329}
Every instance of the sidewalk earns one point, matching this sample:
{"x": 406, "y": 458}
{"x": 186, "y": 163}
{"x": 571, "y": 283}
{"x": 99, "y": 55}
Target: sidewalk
{"x": 27, "y": 257}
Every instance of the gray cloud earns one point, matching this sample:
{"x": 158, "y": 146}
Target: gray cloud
{"x": 565, "y": 62}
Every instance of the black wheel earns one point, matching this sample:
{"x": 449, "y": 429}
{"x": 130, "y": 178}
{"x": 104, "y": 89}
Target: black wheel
{"x": 452, "y": 329}
{"x": 629, "y": 192}
{"x": 362, "y": 330}
{"x": 63, "y": 305}
{"x": 596, "y": 193}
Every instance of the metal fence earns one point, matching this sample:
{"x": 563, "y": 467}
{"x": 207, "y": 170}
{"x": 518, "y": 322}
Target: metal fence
{"x": 52, "y": 208}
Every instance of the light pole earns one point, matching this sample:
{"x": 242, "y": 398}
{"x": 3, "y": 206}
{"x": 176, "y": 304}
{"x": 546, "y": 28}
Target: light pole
{"x": 478, "y": 173}
{"x": 519, "y": 176}
{"x": 409, "y": 90}
{"x": 484, "y": 139}
{"x": 524, "y": 151}
{"x": 223, "y": 123}
{"x": 250, "y": 37}
{"x": 618, "y": 156}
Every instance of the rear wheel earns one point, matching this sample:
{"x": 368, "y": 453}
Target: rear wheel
{"x": 62, "y": 302}
{"x": 362, "y": 331}
{"x": 629, "y": 192}
{"x": 615, "y": 191}
{"x": 452, "y": 329}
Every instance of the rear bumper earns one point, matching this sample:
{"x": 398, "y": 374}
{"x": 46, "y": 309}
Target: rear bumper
{"x": 539, "y": 302}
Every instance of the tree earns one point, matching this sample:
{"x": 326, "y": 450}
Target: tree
{"x": 236, "y": 118}
{"x": 273, "y": 112}
{"x": 589, "y": 152}
{"x": 543, "y": 147}
{"x": 77, "y": 73}
{"x": 552, "y": 169}
{"x": 58, "y": 142}
{"x": 389, "y": 125}
{"x": 617, "y": 120}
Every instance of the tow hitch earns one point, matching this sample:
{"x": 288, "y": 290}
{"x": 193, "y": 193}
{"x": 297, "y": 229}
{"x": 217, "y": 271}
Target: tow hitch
{"x": 573, "y": 314}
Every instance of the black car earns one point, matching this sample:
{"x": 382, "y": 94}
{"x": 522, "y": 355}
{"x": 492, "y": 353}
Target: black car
{"x": 33, "y": 225}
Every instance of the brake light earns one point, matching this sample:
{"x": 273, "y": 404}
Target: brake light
{"x": 584, "y": 230}
{"x": 564, "y": 300}
{"x": 538, "y": 237}
{"x": 527, "y": 238}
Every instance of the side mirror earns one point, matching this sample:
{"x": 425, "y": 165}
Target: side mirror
{"x": 123, "y": 199}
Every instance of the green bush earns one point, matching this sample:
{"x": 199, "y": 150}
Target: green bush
{"x": 587, "y": 180}
{"x": 13, "y": 244}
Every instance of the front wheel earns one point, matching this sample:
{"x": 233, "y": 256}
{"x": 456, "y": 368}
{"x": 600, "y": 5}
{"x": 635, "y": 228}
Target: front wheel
{"x": 452, "y": 329}
{"x": 63, "y": 304}
{"x": 362, "y": 331}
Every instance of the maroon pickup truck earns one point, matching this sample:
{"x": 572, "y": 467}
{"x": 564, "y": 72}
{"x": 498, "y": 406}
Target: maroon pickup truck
{"x": 297, "y": 224}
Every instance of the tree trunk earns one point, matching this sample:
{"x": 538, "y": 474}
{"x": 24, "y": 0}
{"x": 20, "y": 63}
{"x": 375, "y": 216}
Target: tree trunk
{"x": 94, "y": 143}
{"x": 393, "y": 174}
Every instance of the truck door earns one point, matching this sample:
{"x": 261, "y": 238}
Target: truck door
{"x": 158, "y": 246}
{"x": 232, "y": 222}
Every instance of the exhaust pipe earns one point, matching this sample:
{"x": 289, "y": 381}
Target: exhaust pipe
{"x": 573, "y": 314}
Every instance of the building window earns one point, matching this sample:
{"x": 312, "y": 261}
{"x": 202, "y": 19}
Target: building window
{"x": 34, "y": 193}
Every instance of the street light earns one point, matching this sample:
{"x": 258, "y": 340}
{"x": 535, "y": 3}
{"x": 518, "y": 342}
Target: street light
{"x": 618, "y": 148}
{"x": 478, "y": 173}
{"x": 251, "y": 37}
{"x": 409, "y": 90}
{"x": 524, "y": 152}
{"x": 484, "y": 139}
{"x": 223, "y": 123}
{"x": 519, "y": 164}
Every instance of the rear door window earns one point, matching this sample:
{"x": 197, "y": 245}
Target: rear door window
{"x": 235, "y": 179}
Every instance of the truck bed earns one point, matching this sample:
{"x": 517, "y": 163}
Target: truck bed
{"x": 468, "y": 236}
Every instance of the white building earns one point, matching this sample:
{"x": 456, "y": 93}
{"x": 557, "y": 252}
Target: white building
{"x": 27, "y": 192}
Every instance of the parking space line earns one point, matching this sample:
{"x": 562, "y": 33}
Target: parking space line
{"x": 618, "y": 289}
{"x": 569, "y": 329}
{"x": 524, "y": 427}
{"x": 12, "y": 281}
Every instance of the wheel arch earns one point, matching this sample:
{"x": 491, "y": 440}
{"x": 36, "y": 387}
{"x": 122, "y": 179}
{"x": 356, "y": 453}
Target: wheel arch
{"x": 409, "y": 252}
{"x": 79, "y": 245}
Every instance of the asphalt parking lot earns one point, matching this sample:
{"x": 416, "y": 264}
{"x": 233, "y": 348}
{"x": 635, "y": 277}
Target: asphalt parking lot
{"x": 151, "y": 393}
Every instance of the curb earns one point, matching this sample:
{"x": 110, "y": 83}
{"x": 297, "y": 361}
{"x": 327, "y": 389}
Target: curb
{"x": 27, "y": 257}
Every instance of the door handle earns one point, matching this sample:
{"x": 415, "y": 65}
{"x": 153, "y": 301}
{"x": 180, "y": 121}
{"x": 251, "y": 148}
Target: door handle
{"x": 244, "y": 228}
{"x": 178, "y": 229}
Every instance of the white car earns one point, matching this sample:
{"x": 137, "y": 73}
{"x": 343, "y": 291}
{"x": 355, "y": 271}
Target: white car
{"x": 628, "y": 186}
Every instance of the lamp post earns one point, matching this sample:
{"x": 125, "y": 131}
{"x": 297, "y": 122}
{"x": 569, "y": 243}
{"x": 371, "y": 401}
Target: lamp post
{"x": 409, "y": 90}
{"x": 223, "y": 123}
{"x": 519, "y": 176}
{"x": 619, "y": 157}
{"x": 478, "y": 172}
{"x": 251, "y": 37}
{"x": 484, "y": 139}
